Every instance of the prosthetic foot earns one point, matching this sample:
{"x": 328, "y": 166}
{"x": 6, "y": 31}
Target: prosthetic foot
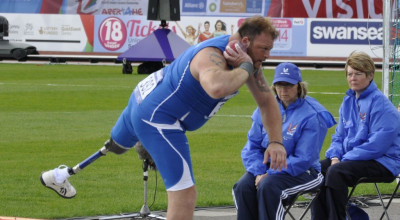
{"x": 57, "y": 180}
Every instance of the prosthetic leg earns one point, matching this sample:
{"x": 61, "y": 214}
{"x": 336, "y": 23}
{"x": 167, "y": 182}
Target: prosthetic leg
{"x": 148, "y": 163}
{"x": 66, "y": 190}
{"x": 76, "y": 169}
{"x": 57, "y": 179}
{"x": 145, "y": 210}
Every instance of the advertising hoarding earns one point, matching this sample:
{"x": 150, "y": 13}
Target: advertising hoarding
{"x": 52, "y": 32}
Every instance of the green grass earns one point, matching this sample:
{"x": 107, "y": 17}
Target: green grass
{"x": 61, "y": 114}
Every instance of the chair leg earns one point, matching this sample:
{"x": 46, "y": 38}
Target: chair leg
{"x": 309, "y": 205}
{"x": 288, "y": 212}
{"x": 382, "y": 203}
{"x": 390, "y": 201}
{"x": 288, "y": 207}
{"x": 291, "y": 216}
{"x": 348, "y": 199}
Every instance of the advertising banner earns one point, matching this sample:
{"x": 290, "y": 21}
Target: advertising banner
{"x": 298, "y": 37}
{"x": 116, "y": 34}
{"x": 332, "y": 9}
{"x": 292, "y": 40}
{"x": 340, "y": 37}
{"x": 52, "y": 32}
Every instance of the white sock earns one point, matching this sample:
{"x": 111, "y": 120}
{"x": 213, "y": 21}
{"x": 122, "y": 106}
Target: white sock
{"x": 61, "y": 174}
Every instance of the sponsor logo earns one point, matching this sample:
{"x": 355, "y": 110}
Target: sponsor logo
{"x": 254, "y": 6}
{"x": 232, "y": 6}
{"x": 122, "y": 11}
{"x": 212, "y": 7}
{"x": 28, "y": 29}
{"x": 14, "y": 29}
{"x": 69, "y": 30}
{"x": 285, "y": 71}
{"x": 112, "y": 33}
{"x": 193, "y": 6}
{"x": 299, "y": 21}
{"x": 48, "y": 30}
{"x": 346, "y": 32}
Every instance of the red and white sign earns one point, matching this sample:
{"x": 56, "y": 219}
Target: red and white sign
{"x": 332, "y": 9}
{"x": 112, "y": 33}
{"x": 284, "y": 40}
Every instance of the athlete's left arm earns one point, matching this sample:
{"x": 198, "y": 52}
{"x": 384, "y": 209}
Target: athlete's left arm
{"x": 271, "y": 119}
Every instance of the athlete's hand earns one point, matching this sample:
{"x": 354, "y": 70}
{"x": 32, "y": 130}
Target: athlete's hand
{"x": 277, "y": 153}
{"x": 235, "y": 54}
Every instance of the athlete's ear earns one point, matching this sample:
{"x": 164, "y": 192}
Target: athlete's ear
{"x": 245, "y": 41}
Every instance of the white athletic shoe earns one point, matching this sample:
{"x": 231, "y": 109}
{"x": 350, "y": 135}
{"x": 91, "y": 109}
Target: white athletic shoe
{"x": 57, "y": 180}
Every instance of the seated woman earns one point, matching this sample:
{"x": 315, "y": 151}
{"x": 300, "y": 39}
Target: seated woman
{"x": 366, "y": 142}
{"x": 260, "y": 191}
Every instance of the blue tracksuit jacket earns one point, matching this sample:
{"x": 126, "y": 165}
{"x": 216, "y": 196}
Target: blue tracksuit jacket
{"x": 368, "y": 129}
{"x": 305, "y": 124}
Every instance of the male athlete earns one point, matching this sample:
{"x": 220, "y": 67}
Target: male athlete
{"x": 182, "y": 97}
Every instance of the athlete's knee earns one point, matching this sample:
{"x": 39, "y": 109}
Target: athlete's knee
{"x": 181, "y": 203}
{"x": 186, "y": 197}
{"x": 114, "y": 147}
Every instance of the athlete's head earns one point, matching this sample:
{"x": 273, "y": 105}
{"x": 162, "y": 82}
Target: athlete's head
{"x": 259, "y": 34}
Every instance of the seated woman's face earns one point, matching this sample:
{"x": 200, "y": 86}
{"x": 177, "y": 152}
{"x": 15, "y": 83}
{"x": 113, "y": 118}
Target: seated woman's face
{"x": 358, "y": 81}
{"x": 286, "y": 92}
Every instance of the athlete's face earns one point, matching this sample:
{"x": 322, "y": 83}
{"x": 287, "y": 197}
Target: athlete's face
{"x": 260, "y": 48}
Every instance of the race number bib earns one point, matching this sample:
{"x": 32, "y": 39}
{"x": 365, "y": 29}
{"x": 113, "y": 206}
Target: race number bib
{"x": 147, "y": 85}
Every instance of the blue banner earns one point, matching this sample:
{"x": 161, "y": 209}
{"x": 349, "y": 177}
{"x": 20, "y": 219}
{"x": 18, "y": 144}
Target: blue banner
{"x": 20, "y": 6}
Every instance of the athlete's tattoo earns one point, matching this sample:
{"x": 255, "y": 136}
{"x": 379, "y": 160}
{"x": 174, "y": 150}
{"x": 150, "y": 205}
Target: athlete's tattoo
{"x": 217, "y": 58}
{"x": 261, "y": 83}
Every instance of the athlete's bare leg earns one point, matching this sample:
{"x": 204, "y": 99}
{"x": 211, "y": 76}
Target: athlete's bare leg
{"x": 181, "y": 204}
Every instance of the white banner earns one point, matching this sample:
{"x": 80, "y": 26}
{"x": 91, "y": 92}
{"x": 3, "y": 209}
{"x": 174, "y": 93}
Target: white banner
{"x": 48, "y": 32}
{"x": 339, "y": 37}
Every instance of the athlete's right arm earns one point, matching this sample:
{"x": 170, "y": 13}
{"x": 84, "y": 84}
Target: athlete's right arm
{"x": 210, "y": 68}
